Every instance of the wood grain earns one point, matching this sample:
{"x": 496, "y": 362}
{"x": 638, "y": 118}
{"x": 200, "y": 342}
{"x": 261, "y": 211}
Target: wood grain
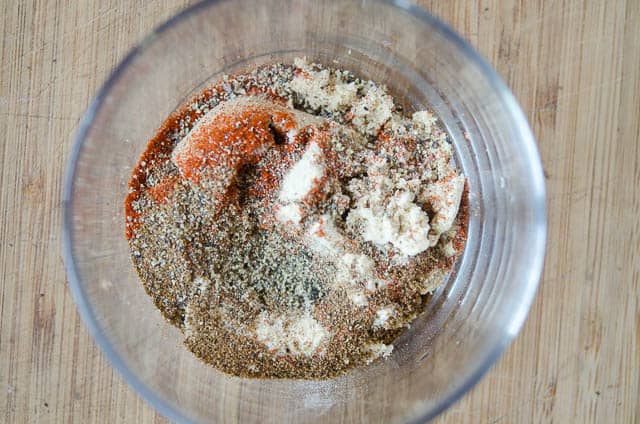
{"x": 575, "y": 68}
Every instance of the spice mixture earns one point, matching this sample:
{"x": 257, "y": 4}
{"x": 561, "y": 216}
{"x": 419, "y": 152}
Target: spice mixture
{"x": 292, "y": 221}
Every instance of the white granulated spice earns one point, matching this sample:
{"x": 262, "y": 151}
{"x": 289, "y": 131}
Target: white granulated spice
{"x": 433, "y": 281}
{"x": 423, "y": 121}
{"x": 352, "y": 268}
{"x": 444, "y": 196}
{"x": 359, "y": 299}
{"x": 286, "y": 334}
{"x": 360, "y": 266}
{"x": 398, "y": 221}
{"x": 331, "y": 92}
{"x": 372, "y": 111}
{"x": 448, "y": 249}
{"x": 289, "y": 214}
{"x": 378, "y": 350}
{"x": 383, "y": 315}
{"x": 323, "y": 90}
{"x": 303, "y": 176}
{"x": 324, "y": 238}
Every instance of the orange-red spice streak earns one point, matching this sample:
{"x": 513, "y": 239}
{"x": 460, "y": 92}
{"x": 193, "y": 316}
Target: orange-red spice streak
{"x": 229, "y": 141}
{"x": 214, "y": 149}
{"x": 161, "y": 191}
{"x": 158, "y": 150}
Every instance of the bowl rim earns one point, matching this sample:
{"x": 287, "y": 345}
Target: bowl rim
{"x": 527, "y": 141}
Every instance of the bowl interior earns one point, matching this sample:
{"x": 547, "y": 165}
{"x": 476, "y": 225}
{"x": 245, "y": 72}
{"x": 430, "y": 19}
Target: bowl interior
{"x": 468, "y": 322}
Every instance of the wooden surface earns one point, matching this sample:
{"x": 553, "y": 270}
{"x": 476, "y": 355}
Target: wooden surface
{"x": 575, "y": 68}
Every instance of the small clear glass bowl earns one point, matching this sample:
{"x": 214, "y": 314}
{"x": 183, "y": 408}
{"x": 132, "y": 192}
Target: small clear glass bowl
{"x": 470, "y": 320}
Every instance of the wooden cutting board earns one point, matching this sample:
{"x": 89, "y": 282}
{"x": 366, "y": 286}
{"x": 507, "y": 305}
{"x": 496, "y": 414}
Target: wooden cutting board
{"x": 575, "y": 68}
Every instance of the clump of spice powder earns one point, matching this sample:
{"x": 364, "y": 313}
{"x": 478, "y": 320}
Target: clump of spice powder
{"x": 292, "y": 221}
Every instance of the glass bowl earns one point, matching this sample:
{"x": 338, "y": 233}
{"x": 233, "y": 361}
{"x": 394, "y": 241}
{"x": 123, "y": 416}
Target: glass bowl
{"x": 469, "y": 321}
